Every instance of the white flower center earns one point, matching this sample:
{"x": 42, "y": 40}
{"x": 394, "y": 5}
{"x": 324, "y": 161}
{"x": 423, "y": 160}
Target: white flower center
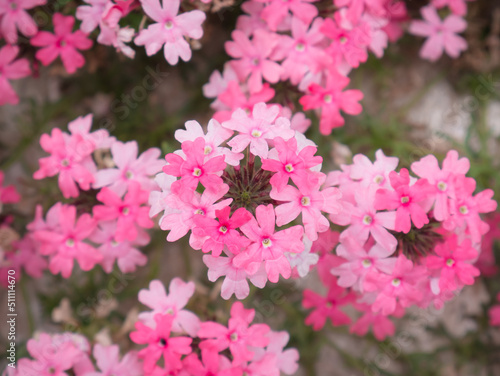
{"x": 463, "y": 209}
{"x": 327, "y": 98}
{"x": 405, "y": 199}
{"x": 378, "y": 179}
{"x": 207, "y": 150}
{"x": 300, "y": 47}
{"x": 129, "y": 175}
{"x": 70, "y": 242}
{"x": 442, "y": 186}
{"x": 396, "y": 282}
{"x": 450, "y": 262}
{"x": 366, "y": 263}
{"x": 305, "y": 201}
{"x": 196, "y": 171}
{"x": 234, "y": 337}
{"x": 223, "y": 229}
{"x": 65, "y": 163}
{"x": 367, "y": 219}
{"x": 343, "y": 40}
{"x": 199, "y": 211}
{"x": 289, "y": 167}
{"x": 169, "y": 25}
{"x": 267, "y": 243}
{"x": 256, "y": 133}
{"x": 126, "y": 210}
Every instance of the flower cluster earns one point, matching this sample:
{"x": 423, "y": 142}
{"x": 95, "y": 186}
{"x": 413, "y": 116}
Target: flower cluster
{"x": 313, "y": 52}
{"x": 188, "y": 346}
{"x": 107, "y": 222}
{"x": 68, "y": 352}
{"x": 238, "y": 189}
{"x": 407, "y": 240}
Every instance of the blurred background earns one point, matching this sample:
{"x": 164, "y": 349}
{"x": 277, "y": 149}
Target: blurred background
{"x": 411, "y": 108}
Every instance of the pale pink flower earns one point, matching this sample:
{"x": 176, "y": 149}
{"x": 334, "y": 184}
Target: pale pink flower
{"x": 8, "y": 194}
{"x": 11, "y": 69}
{"x": 171, "y": 304}
{"x": 363, "y": 170}
{"x": 255, "y": 59}
{"x": 13, "y": 17}
{"x": 441, "y": 35}
{"x": 129, "y": 168}
{"x": 109, "y": 363}
{"x": 170, "y": 29}
{"x": 276, "y": 11}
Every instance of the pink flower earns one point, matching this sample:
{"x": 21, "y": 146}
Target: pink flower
{"x": 256, "y": 59}
{"x": 124, "y": 253}
{"x": 212, "y": 363}
{"x": 360, "y": 262}
{"x": 356, "y": 8}
{"x": 286, "y": 359}
{"x": 406, "y": 199}
{"x": 382, "y": 326}
{"x": 171, "y": 304}
{"x": 195, "y": 167}
{"x": 349, "y": 45}
{"x": 400, "y": 286}
{"x": 327, "y": 307}
{"x": 70, "y": 158}
{"x": 11, "y": 69}
{"x": 67, "y": 242}
{"x": 129, "y": 212}
{"x": 237, "y": 336}
{"x": 465, "y": 208}
{"x": 13, "y": 17}
{"x": 263, "y": 124}
{"x": 303, "y": 50}
{"x": 331, "y": 99}
{"x": 364, "y": 220}
{"x": 451, "y": 260}
{"x": 63, "y": 43}
{"x": 99, "y": 139}
{"x": 50, "y": 359}
{"x": 367, "y": 173}
{"x": 290, "y": 164}
{"x": 309, "y": 201}
{"x": 277, "y": 10}
{"x": 269, "y": 246}
{"x": 441, "y": 179}
{"x": 216, "y": 135}
{"x": 235, "y": 278}
{"x": 442, "y": 35}
{"x": 181, "y": 219}
{"x": 170, "y": 29}
{"x": 109, "y": 363}
{"x": 129, "y": 168}
{"x": 222, "y": 232}
{"x": 160, "y": 343}
{"x": 90, "y": 15}
{"x": 8, "y": 194}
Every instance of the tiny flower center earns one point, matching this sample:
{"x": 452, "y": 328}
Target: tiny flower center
{"x": 223, "y": 229}
{"x": 450, "y": 262}
{"x": 255, "y": 61}
{"x": 169, "y": 25}
{"x": 378, "y": 179}
{"x": 267, "y": 242}
{"x": 13, "y": 6}
{"x": 327, "y": 98}
{"x": 367, "y": 219}
{"x": 396, "y": 282}
{"x": 463, "y": 209}
{"x": 207, "y": 150}
{"x": 65, "y": 163}
{"x": 300, "y": 47}
{"x": 343, "y": 40}
{"x": 366, "y": 263}
{"x": 305, "y": 201}
{"x": 197, "y": 171}
{"x": 52, "y": 370}
{"x": 256, "y": 133}
{"x": 199, "y": 211}
{"x": 289, "y": 167}
{"x": 129, "y": 175}
{"x": 114, "y": 243}
{"x": 234, "y": 337}
{"x": 405, "y": 199}
{"x": 63, "y": 43}
{"x": 70, "y": 242}
{"x": 442, "y": 186}
{"x": 169, "y": 311}
{"x": 329, "y": 304}
{"x": 162, "y": 342}
{"x": 126, "y": 210}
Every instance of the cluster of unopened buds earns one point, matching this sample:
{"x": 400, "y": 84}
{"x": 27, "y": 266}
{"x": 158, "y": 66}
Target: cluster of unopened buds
{"x": 176, "y": 342}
